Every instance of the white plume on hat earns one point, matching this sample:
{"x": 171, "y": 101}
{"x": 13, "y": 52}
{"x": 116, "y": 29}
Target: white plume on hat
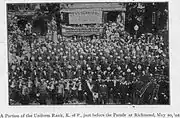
{"x": 128, "y": 70}
{"x": 39, "y": 58}
{"x": 13, "y": 67}
{"x": 98, "y": 68}
{"x": 32, "y": 58}
{"x": 108, "y": 68}
{"x": 119, "y": 68}
{"x": 89, "y": 68}
{"x": 78, "y": 66}
{"x": 69, "y": 66}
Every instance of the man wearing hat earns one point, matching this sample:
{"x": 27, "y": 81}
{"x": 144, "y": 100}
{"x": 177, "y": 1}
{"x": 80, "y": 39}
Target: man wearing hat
{"x": 163, "y": 91}
{"x": 42, "y": 89}
{"x": 110, "y": 85}
{"x": 60, "y": 92}
{"x": 80, "y": 91}
{"x": 88, "y": 92}
{"x": 67, "y": 91}
{"x": 148, "y": 90}
{"x": 52, "y": 91}
{"x": 103, "y": 92}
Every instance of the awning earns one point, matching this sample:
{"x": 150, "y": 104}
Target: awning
{"x": 68, "y": 10}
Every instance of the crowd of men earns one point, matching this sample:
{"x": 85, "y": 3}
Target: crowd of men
{"x": 112, "y": 68}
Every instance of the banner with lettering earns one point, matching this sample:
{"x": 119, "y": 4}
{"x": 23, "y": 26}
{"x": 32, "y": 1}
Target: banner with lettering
{"x": 85, "y": 16}
{"x": 80, "y": 31}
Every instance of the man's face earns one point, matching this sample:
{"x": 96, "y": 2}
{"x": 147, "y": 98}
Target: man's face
{"x": 113, "y": 26}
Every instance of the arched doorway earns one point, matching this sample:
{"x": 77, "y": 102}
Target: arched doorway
{"x": 112, "y": 16}
{"x": 40, "y": 26}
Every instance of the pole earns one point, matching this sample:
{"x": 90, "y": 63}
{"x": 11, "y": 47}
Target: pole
{"x": 135, "y": 36}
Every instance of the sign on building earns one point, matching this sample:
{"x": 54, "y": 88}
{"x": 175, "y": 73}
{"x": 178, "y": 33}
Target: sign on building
{"x": 85, "y": 16}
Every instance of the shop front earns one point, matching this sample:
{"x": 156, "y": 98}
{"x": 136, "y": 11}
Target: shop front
{"x": 88, "y": 19}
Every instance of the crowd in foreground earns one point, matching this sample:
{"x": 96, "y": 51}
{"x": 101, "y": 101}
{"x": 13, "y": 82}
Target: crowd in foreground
{"x": 110, "y": 69}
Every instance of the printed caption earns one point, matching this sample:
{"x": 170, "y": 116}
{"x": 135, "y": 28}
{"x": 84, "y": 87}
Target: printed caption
{"x": 91, "y": 115}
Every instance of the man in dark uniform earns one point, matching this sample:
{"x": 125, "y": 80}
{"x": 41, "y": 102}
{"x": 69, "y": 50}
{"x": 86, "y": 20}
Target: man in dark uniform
{"x": 25, "y": 95}
{"x": 103, "y": 90}
{"x": 66, "y": 92}
{"x": 60, "y": 92}
{"x": 52, "y": 91}
{"x": 124, "y": 90}
{"x": 87, "y": 92}
{"x": 163, "y": 93}
{"x": 137, "y": 86}
{"x": 96, "y": 90}
{"x": 43, "y": 92}
{"x": 146, "y": 93}
{"x": 80, "y": 91}
{"x": 110, "y": 85}
{"x": 116, "y": 91}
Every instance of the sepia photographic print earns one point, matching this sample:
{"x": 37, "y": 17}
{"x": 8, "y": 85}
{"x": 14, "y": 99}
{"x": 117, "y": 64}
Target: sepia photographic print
{"x": 109, "y": 53}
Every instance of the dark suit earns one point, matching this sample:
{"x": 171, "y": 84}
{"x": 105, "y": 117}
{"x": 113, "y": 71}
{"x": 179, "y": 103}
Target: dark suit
{"x": 103, "y": 90}
{"x": 110, "y": 86}
{"x": 116, "y": 92}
